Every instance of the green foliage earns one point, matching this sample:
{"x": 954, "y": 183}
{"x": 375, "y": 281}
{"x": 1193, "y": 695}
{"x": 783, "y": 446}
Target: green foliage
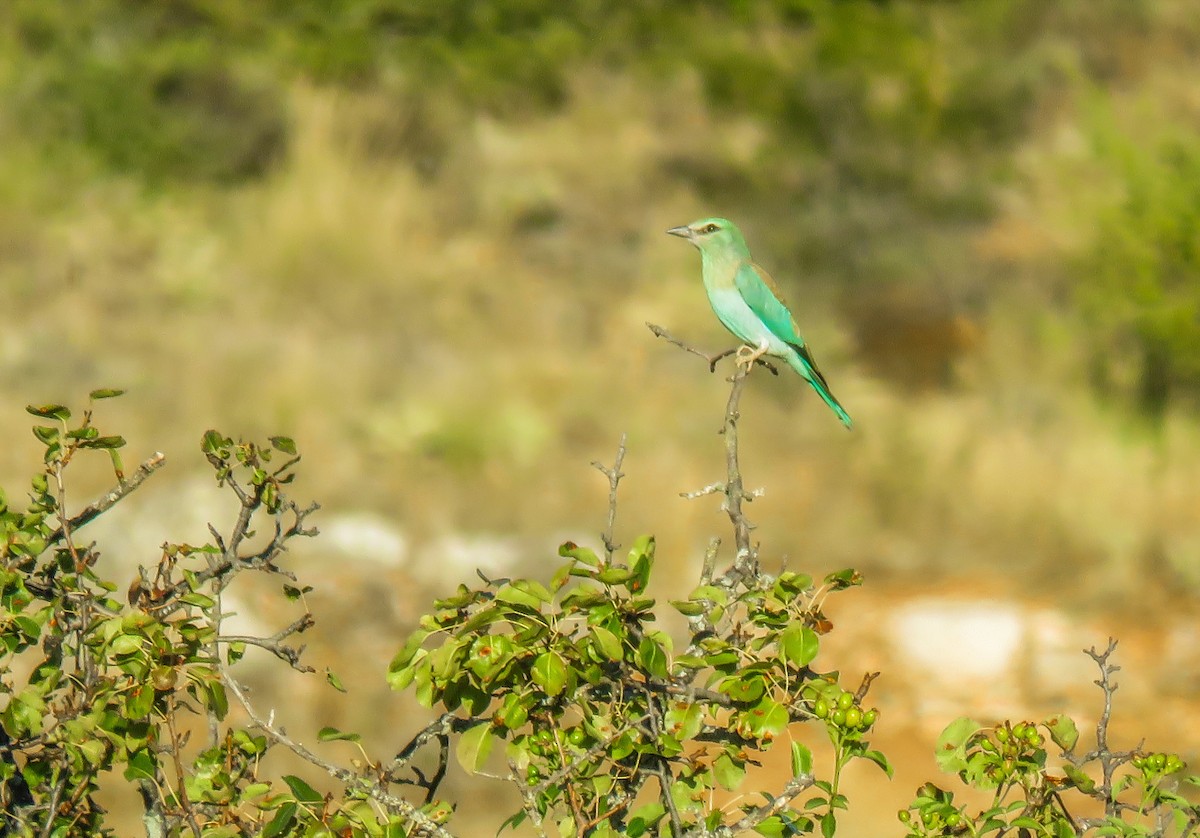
{"x": 1138, "y": 281}
{"x": 112, "y": 689}
{"x": 566, "y": 690}
{"x": 1136, "y": 791}
{"x": 590, "y": 702}
{"x": 147, "y": 90}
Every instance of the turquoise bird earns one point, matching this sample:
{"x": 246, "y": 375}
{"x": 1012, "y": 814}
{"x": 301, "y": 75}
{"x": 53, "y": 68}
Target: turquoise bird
{"x": 749, "y": 304}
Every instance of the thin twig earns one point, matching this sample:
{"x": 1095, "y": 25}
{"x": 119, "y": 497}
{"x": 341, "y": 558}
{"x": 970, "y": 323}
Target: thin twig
{"x": 528, "y": 799}
{"x": 780, "y": 801}
{"x": 745, "y": 564}
{"x": 275, "y": 645}
{"x": 710, "y": 357}
{"x": 114, "y": 495}
{"x": 343, "y": 775}
{"x": 52, "y": 806}
{"x": 614, "y": 476}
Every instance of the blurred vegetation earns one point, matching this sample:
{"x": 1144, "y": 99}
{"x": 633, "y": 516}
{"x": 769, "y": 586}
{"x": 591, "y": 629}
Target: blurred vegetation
{"x": 423, "y": 238}
{"x": 435, "y": 230}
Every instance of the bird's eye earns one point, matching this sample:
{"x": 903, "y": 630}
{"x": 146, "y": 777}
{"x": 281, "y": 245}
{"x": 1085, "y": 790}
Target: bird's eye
{"x": 711, "y": 228}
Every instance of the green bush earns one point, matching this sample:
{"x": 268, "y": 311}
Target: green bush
{"x": 564, "y": 689}
{"x": 1138, "y": 281}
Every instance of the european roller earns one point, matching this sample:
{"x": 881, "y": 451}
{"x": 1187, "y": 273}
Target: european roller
{"x": 749, "y": 303}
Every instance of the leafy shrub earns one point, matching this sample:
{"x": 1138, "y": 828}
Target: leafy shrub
{"x": 565, "y": 690}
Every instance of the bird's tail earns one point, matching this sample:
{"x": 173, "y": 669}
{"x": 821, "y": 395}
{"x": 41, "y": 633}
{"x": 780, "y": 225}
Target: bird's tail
{"x": 802, "y": 362}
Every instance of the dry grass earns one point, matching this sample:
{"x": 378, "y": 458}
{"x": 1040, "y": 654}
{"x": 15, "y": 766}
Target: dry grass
{"x": 456, "y": 348}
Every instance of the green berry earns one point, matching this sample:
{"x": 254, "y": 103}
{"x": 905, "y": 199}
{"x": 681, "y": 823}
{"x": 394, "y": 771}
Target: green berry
{"x": 845, "y": 701}
{"x": 854, "y": 718}
{"x": 953, "y": 819}
{"x": 869, "y": 717}
{"x": 821, "y": 708}
{"x": 838, "y": 717}
{"x": 1001, "y": 735}
{"x": 904, "y": 815}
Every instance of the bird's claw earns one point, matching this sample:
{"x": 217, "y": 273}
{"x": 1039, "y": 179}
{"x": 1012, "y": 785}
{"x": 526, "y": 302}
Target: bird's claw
{"x": 748, "y": 355}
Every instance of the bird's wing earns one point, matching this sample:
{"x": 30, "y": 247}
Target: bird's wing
{"x": 765, "y": 299}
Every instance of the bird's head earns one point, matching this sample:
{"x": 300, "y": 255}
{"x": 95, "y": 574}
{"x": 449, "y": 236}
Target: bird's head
{"x": 712, "y": 235}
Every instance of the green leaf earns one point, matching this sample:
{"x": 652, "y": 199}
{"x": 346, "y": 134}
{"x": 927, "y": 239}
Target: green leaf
{"x": 799, "y": 644}
{"x": 584, "y": 555}
{"x": 728, "y": 771}
{"x": 1079, "y": 779}
{"x": 293, "y": 593}
{"x": 561, "y": 577}
{"x": 710, "y": 593}
{"x": 334, "y": 681}
{"x": 104, "y": 442}
{"x": 644, "y": 819}
{"x": 608, "y": 643}
{"x": 550, "y": 672}
{"x": 533, "y": 588}
{"x": 105, "y": 393}
{"x": 1062, "y": 731}
{"x": 615, "y": 575}
{"x": 513, "y": 822}
{"x": 848, "y": 578}
{"x": 684, "y": 720}
{"x": 474, "y": 746}
{"x": 332, "y": 734}
{"x": 767, "y": 718}
{"x": 125, "y": 644}
{"x": 301, "y": 790}
{"x": 217, "y": 701}
{"x": 139, "y": 702}
{"x": 49, "y": 411}
{"x": 46, "y": 434}
{"x": 828, "y": 824}
{"x": 652, "y": 657}
{"x": 880, "y": 759}
{"x": 746, "y": 688}
{"x": 773, "y": 827}
{"x": 951, "y": 745}
{"x": 515, "y": 594}
{"x": 214, "y": 442}
{"x": 282, "y": 821}
{"x": 284, "y": 443}
{"x": 643, "y": 547}
{"x": 513, "y": 712}
{"x": 141, "y": 766}
{"x": 198, "y": 599}
{"x": 802, "y": 759}
{"x": 688, "y": 608}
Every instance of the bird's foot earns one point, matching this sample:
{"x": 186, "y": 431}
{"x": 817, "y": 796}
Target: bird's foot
{"x": 748, "y": 355}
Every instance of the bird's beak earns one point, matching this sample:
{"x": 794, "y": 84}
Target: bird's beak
{"x": 684, "y": 232}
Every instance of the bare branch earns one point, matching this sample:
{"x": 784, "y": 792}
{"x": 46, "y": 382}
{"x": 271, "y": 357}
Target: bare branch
{"x": 709, "y": 357}
{"x": 374, "y": 789}
{"x": 778, "y": 803}
{"x": 114, "y": 495}
{"x": 614, "y": 476}
{"x": 275, "y": 645}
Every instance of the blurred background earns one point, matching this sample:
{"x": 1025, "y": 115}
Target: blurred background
{"x": 423, "y": 239}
